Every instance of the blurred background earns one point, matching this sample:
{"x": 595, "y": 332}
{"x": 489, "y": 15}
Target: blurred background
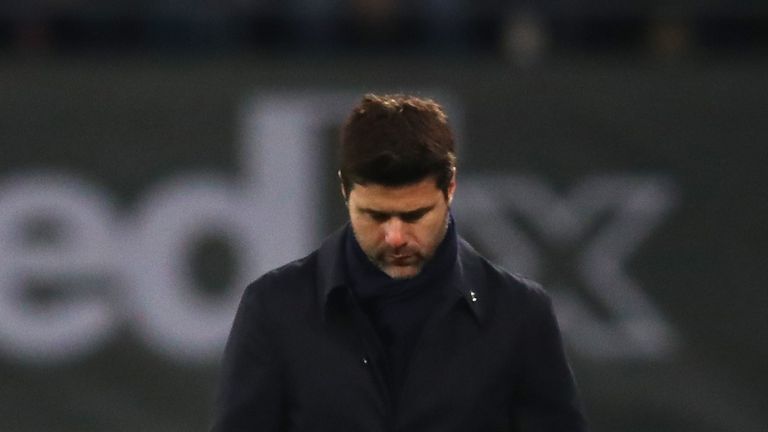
{"x": 155, "y": 156}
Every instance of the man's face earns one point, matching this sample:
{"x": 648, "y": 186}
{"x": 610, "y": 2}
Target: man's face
{"x": 399, "y": 228}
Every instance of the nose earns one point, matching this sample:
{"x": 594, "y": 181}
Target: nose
{"x": 394, "y": 233}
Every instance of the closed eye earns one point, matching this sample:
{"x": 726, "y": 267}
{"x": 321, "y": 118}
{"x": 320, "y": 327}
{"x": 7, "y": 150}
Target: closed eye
{"x": 378, "y": 216}
{"x": 407, "y": 217}
{"x": 415, "y": 215}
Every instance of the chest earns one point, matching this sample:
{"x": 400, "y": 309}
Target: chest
{"x": 460, "y": 376}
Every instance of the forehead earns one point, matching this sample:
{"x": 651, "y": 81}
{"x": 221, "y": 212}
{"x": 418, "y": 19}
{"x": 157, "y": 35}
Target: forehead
{"x": 396, "y": 198}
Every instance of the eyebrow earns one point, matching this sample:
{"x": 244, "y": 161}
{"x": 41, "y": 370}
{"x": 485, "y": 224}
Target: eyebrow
{"x": 403, "y": 215}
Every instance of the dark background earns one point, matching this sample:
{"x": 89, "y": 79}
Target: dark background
{"x": 124, "y": 96}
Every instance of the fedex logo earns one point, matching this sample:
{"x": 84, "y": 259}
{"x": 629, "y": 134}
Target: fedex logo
{"x": 105, "y": 269}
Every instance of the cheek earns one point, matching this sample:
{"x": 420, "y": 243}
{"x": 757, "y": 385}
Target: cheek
{"x": 428, "y": 234}
{"x": 367, "y": 232}
{"x": 437, "y": 229}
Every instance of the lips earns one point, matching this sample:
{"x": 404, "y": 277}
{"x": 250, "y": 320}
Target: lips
{"x": 402, "y": 260}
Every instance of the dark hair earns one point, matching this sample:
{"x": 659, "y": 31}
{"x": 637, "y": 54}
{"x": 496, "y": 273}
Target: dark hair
{"x": 395, "y": 140}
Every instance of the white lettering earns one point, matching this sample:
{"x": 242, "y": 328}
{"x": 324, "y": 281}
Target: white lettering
{"x": 602, "y": 221}
{"x": 70, "y": 272}
{"x": 71, "y": 257}
{"x": 171, "y": 315}
{"x": 267, "y": 211}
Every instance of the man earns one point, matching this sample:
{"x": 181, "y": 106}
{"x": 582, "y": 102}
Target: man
{"x": 395, "y": 323}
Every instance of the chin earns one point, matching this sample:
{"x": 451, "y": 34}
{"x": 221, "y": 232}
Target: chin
{"x": 401, "y": 272}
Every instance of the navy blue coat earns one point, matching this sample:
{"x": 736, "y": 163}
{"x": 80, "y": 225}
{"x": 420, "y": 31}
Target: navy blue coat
{"x": 301, "y": 357}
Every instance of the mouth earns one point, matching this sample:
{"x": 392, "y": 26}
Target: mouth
{"x": 402, "y": 260}
{"x": 400, "y": 265}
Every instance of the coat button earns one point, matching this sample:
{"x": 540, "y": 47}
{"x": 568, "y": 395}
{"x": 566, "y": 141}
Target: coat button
{"x": 365, "y": 361}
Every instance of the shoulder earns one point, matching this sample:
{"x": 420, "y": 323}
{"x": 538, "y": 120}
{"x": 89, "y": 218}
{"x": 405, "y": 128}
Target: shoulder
{"x": 297, "y": 284}
{"x": 508, "y": 290}
{"x": 292, "y": 271}
{"x": 281, "y": 288}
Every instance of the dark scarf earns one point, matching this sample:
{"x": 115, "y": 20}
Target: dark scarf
{"x": 399, "y": 308}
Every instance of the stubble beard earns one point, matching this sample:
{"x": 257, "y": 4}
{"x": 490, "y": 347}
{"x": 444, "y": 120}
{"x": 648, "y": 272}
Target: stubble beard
{"x": 379, "y": 258}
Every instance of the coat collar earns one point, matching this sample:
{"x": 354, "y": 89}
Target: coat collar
{"x": 468, "y": 277}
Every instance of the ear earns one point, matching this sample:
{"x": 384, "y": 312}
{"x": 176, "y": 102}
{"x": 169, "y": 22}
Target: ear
{"x": 341, "y": 187}
{"x": 452, "y": 187}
